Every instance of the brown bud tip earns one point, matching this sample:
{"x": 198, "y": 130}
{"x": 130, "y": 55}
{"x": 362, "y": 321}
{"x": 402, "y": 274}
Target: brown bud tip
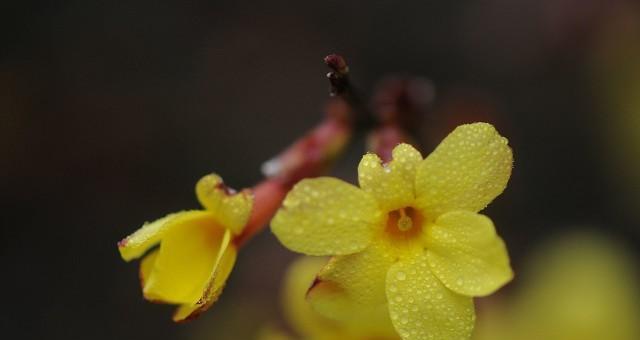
{"x": 336, "y": 63}
{"x": 122, "y": 243}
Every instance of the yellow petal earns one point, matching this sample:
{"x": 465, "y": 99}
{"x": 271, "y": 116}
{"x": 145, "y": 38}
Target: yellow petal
{"x": 224, "y": 264}
{"x": 391, "y": 184}
{"x": 465, "y": 172}
{"x": 326, "y": 216}
{"x": 136, "y": 244}
{"x": 146, "y": 265}
{"x": 422, "y": 308}
{"x": 231, "y": 209}
{"x": 465, "y": 253}
{"x": 186, "y": 258}
{"x": 271, "y": 332}
{"x": 302, "y": 318}
{"x": 351, "y": 289}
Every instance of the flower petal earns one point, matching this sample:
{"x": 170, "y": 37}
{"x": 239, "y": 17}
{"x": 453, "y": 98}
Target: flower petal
{"x": 351, "y": 289}
{"x": 136, "y": 244}
{"x": 391, "y": 184}
{"x": 422, "y": 308}
{"x": 146, "y": 265}
{"x": 224, "y": 264}
{"x": 466, "y": 254}
{"x": 302, "y": 318}
{"x": 231, "y": 209}
{"x": 187, "y": 256}
{"x": 465, "y": 172}
{"x": 326, "y": 216}
{"x": 271, "y": 332}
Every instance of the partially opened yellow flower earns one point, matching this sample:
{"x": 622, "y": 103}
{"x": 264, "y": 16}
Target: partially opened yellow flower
{"x": 196, "y": 252}
{"x": 305, "y": 321}
{"x": 409, "y": 246}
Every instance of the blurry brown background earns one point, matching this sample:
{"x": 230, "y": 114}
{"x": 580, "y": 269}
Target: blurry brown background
{"x": 110, "y": 111}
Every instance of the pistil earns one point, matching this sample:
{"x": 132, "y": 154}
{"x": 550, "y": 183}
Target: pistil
{"x": 404, "y": 222}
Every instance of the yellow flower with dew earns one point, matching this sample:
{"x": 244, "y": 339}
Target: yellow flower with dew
{"x": 410, "y": 249}
{"x": 196, "y": 250}
{"x": 579, "y": 286}
{"x": 305, "y": 321}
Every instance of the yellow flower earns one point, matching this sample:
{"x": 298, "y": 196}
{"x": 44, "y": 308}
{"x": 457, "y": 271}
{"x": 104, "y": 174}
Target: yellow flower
{"x": 196, "y": 252}
{"x": 307, "y": 322}
{"x": 409, "y": 246}
{"x": 580, "y": 286}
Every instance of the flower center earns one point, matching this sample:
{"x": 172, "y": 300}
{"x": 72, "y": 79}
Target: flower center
{"x": 404, "y": 223}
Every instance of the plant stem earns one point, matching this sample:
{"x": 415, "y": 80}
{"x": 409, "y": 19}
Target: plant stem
{"x": 311, "y": 155}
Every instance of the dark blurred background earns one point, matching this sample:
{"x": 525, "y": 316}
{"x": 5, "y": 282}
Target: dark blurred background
{"x": 110, "y": 112}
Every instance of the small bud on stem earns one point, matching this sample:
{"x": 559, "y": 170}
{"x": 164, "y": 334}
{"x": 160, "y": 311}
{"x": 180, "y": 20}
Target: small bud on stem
{"x": 339, "y": 75}
{"x": 341, "y": 87}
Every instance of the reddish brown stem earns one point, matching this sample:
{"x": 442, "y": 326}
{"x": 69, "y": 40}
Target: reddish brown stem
{"x": 310, "y": 156}
{"x": 313, "y": 154}
{"x": 267, "y": 197}
{"x": 399, "y": 105}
